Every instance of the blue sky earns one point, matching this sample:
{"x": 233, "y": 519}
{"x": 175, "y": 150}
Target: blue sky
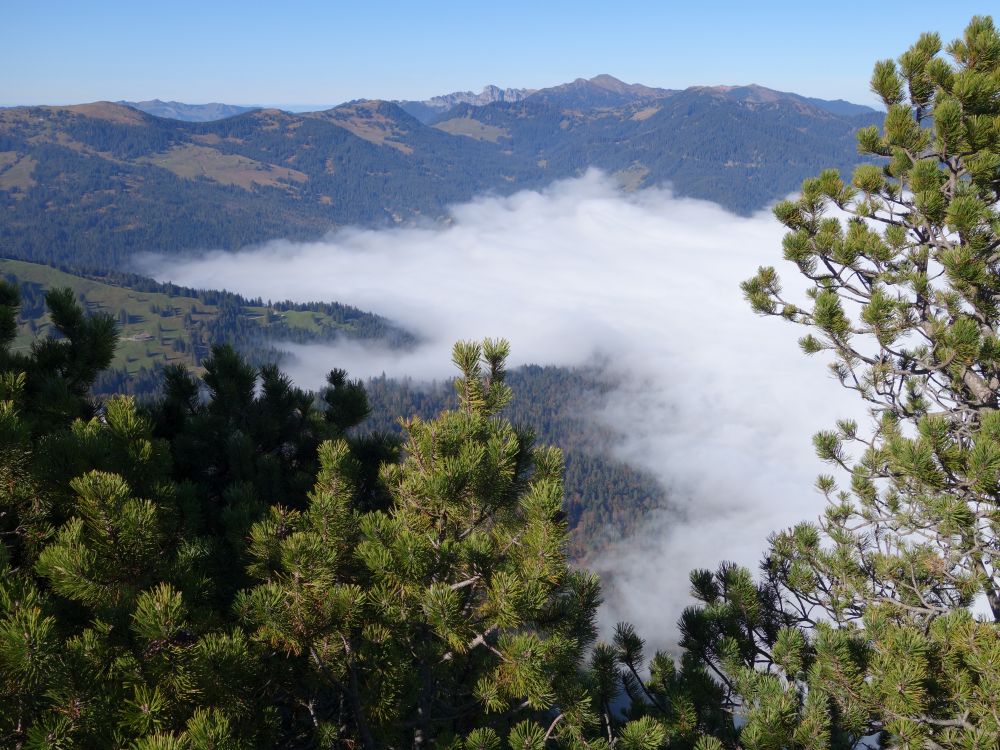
{"x": 327, "y": 52}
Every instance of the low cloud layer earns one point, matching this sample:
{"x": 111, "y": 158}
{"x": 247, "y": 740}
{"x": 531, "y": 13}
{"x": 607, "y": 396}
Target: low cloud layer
{"x": 716, "y": 402}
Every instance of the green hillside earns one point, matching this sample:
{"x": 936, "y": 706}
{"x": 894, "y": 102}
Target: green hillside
{"x": 161, "y": 324}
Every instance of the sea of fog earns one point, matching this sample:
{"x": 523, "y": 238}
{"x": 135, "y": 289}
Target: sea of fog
{"x": 717, "y": 402}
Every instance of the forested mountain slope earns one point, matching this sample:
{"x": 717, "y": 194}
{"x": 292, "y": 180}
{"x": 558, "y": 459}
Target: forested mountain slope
{"x": 90, "y": 185}
{"x": 737, "y": 148}
{"x": 93, "y": 184}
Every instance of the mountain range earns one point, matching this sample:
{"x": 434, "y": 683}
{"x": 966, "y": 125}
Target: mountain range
{"x": 89, "y": 185}
{"x": 602, "y": 88}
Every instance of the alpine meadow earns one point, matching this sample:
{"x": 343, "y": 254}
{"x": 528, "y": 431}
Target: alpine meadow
{"x": 462, "y": 423}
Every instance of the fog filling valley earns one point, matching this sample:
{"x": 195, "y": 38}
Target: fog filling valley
{"x": 718, "y": 403}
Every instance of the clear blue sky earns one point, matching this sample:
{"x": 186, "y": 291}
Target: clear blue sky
{"x": 316, "y": 52}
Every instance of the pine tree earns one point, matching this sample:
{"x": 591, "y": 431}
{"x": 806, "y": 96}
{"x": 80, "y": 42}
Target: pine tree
{"x": 59, "y": 369}
{"x": 864, "y": 622}
{"x": 244, "y": 424}
{"x": 110, "y": 629}
{"x": 450, "y": 613}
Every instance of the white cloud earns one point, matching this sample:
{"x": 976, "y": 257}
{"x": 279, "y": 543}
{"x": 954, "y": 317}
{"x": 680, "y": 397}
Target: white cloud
{"x": 718, "y": 403}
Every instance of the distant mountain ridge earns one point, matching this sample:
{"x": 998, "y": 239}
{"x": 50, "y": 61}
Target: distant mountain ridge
{"x": 600, "y": 91}
{"x": 89, "y": 185}
{"x": 188, "y": 112}
{"x": 606, "y": 91}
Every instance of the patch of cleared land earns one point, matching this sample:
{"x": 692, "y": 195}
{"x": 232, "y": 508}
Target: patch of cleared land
{"x": 209, "y": 139}
{"x": 190, "y": 162}
{"x": 149, "y": 322}
{"x": 645, "y": 114}
{"x": 473, "y": 129}
{"x": 365, "y": 121}
{"x": 16, "y": 171}
{"x": 631, "y": 178}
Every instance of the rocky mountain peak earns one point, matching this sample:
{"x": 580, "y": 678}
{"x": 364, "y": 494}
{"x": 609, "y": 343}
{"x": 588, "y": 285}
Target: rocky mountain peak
{"x": 488, "y": 95}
